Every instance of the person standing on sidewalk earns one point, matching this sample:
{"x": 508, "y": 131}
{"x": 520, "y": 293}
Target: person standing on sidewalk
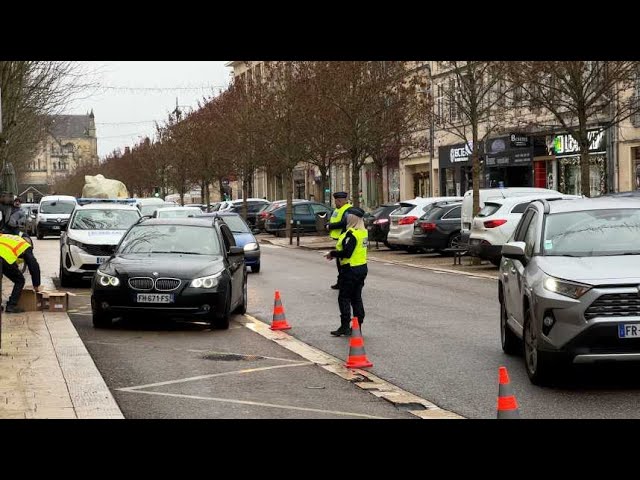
{"x": 11, "y": 247}
{"x": 351, "y": 252}
{"x": 338, "y": 223}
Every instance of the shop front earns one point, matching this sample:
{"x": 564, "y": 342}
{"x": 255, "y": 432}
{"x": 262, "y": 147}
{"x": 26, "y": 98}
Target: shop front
{"x": 509, "y": 162}
{"x": 456, "y": 176}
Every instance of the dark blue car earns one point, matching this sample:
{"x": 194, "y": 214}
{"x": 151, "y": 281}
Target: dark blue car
{"x": 243, "y": 237}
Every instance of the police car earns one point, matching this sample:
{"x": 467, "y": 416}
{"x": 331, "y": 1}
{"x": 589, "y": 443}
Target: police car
{"x": 91, "y": 237}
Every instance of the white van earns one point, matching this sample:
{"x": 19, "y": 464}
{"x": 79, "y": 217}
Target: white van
{"x": 487, "y": 193}
{"x": 53, "y": 214}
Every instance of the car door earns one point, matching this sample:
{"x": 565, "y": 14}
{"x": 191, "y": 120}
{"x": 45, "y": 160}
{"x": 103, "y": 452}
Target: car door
{"x": 510, "y": 269}
{"x": 236, "y": 265}
{"x": 318, "y": 208}
{"x": 302, "y": 214}
{"x": 450, "y": 221}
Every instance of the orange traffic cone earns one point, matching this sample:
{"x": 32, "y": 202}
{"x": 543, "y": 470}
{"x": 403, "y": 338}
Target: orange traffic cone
{"x": 279, "y": 320}
{"x": 507, "y": 405}
{"x": 357, "y": 356}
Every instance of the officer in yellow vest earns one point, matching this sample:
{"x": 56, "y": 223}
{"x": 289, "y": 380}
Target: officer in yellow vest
{"x": 11, "y": 247}
{"x": 351, "y": 252}
{"x": 338, "y": 223}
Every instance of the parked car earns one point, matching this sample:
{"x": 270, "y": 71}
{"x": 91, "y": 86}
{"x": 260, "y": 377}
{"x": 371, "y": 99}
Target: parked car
{"x": 92, "y": 235}
{"x": 177, "y": 212}
{"x": 31, "y": 213}
{"x": 149, "y": 205}
{"x": 174, "y": 267}
{"x": 377, "y": 223}
{"x": 243, "y": 236}
{"x": 229, "y": 204}
{"x": 253, "y": 208}
{"x": 53, "y": 214}
{"x": 568, "y": 284}
{"x": 439, "y": 227}
{"x": 490, "y": 193}
{"x": 403, "y": 219}
{"x": 304, "y": 212}
{"x": 497, "y": 220}
{"x": 262, "y": 215}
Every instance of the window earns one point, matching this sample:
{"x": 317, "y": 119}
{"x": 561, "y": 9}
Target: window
{"x": 227, "y": 237}
{"x": 531, "y": 235}
{"x": 520, "y": 208}
{"x": 301, "y": 210}
{"x": 317, "y": 208}
{"x": 518, "y": 235}
{"x": 440, "y": 103}
{"x": 453, "y": 214}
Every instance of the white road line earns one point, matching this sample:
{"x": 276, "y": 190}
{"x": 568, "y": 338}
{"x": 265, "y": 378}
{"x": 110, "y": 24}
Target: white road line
{"x": 202, "y": 377}
{"x": 257, "y": 404}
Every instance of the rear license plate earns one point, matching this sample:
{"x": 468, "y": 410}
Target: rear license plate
{"x": 100, "y": 260}
{"x": 154, "y": 298}
{"x": 55, "y": 227}
{"x": 629, "y": 330}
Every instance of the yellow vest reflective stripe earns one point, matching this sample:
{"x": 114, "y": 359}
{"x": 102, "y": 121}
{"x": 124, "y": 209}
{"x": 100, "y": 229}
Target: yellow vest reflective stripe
{"x": 11, "y": 247}
{"x": 336, "y": 216}
{"x": 359, "y": 255}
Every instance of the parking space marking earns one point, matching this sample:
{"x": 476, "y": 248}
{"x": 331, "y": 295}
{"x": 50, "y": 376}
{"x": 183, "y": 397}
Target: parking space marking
{"x": 257, "y": 404}
{"x": 212, "y": 375}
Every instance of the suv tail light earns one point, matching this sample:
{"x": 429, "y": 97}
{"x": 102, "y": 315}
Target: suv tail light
{"x": 381, "y": 221}
{"x": 271, "y": 216}
{"x": 427, "y": 226}
{"x": 494, "y": 223}
{"x": 407, "y": 220}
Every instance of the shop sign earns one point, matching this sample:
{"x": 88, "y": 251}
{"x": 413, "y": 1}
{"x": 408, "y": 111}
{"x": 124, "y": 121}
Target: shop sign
{"x": 519, "y": 140}
{"x": 565, "y": 144}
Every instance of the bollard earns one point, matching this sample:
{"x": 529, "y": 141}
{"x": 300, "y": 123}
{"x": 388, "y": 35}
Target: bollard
{"x": 297, "y": 233}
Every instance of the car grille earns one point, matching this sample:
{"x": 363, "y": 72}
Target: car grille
{"x": 614, "y": 305}
{"x": 167, "y": 284}
{"x": 99, "y": 250}
{"x": 141, "y": 283}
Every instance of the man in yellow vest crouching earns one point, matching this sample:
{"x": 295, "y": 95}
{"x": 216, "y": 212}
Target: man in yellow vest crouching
{"x": 11, "y": 247}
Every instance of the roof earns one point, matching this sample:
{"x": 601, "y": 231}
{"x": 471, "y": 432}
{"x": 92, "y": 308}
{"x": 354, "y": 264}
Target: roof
{"x": 599, "y": 203}
{"x": 106, "y": 206}
{"x": 70, "y": 126}
{"x": 198, "y": 222}
{"x": 529, "y": 198}
{"x": 219, "y": 214}
{"x": 172, "y": 209}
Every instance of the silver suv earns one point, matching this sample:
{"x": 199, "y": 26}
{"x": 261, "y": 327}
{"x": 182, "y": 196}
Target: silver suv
{"x": 569, "y": 284}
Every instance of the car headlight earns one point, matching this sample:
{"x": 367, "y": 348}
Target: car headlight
{"x": 209, "y": 281}
{"x": 566, "y": 288}
{"x": 76, "y": 243}
{"x": 107, "y": 280}
{"x": 250, "y": 247}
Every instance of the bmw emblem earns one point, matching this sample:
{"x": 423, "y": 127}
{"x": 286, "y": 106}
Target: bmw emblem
{"x": 155, "y": 274}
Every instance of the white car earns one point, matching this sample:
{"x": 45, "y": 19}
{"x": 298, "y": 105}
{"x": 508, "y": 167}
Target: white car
{"x": 53, "y": 214}
{"x": 177, "y": 212}
{"x": 498, "y": 219}
{"x": 402, "y": 220}
{"x": 91, "y": 237}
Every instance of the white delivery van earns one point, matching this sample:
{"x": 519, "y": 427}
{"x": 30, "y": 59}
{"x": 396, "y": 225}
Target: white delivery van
{"x": 53, "y": 214}
{"x": 487, "y": 193}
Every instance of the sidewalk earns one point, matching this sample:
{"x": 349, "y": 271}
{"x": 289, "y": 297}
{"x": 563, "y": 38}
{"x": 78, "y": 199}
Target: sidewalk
{"x": 45, "y": 369}
{"x": 429, "y": 261}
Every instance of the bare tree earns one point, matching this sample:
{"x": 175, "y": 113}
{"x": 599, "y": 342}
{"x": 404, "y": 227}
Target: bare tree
{"x": 581, "y": 95}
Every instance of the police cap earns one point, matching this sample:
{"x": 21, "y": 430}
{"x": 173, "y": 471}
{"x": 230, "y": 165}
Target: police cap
{"x": 340, "y": 195}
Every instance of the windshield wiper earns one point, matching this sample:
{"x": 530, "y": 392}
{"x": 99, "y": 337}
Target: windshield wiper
{"x": 185, "y": 253}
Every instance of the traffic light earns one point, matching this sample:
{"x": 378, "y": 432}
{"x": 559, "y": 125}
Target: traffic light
{"x": 156, "y": 191}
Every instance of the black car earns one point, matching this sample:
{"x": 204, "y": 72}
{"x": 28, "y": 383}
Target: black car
{"x": 253, "y": 209}
{"x": 377, "y": 223}
{"x": 439, "y": 227}
{"x": 304, "y": 214}
{"x": 172, "y": 267}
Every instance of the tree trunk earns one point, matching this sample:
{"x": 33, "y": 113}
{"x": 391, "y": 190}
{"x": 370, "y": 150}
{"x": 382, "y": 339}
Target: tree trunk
{"x": 287, "y": 180}
{"x": 355, "y": 183}
{"x": 245, "y": 195}
{"x": 324, "y": 182}
{"x": 475, "y": 169}
{"x": 207, "y": 196}
{"x": 379, "y": 185}
{"x": 221, "y": 189}
{"x": 585, "y": 170}
{"x": 202, "y": 184}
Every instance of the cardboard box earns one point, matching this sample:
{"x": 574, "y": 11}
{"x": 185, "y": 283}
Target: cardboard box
{"x": 55, "y": 301}
{"x": 30, "y": 300}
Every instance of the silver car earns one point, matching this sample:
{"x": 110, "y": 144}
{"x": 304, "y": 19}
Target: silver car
{"x": 569, "y": 284}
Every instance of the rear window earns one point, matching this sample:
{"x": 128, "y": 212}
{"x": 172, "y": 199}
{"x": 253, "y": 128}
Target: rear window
{"x": 520, "y": 208}
{"x": 489, "y": 209}
{"x": 57, "y": 207}
{"x": 404, "y": 209}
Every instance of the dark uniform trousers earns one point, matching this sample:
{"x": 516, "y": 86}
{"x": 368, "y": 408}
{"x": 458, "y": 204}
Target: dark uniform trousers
{"x": 351, "y": 280}
{"x": 13, "y": 273}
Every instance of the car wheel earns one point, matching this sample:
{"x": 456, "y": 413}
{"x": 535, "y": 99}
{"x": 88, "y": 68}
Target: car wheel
{"x": 510, "y": 342}
{"x": 539, "y": 364}
{"x": 242, "y": 308}
{"x": 495, "y": 261}
{"x": 39, "y": 235}
{"x": 390, "y": 246}
{"x": 454, "y": 240}
{"x": 255, "y": 268}
{"x": 220, "y": 320}
{"x": 65, "y": 279}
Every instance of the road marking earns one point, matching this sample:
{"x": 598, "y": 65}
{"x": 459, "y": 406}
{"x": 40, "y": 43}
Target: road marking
{"x": 363, "y": 379}
{"x": 244, "y": 354}
{"x": 257, "y": 404}
{"x": 212, "y": 375}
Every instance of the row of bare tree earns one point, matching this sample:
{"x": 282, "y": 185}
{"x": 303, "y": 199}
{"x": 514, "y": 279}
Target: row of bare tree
{"x": 349, "y": 111}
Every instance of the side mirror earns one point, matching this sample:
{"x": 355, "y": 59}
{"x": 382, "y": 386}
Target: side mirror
{"x": 514, "y": 251}
{"x": 233, "y": 251}
{"x": 255, "y": 231}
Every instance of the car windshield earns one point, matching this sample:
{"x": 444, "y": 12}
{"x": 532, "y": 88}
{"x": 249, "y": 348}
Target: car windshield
{"x": 170, "y": 213}
{"x": 57, "y": 207}
{"x": 148, "y": 209}
{"x": 236, "y": 224}
{"x": 593, "y": 233}
{"x": 184, "y": 239}
{"x": 104, "y": 219}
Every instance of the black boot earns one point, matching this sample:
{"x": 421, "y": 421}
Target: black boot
{"x": 342, "y": 331}
{"x": 14, "y": 309}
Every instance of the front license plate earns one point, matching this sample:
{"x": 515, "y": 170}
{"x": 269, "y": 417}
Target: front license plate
{"x": 55, "y": 227}
{"x": 155, "y": 298}
{"x": 100, "y": 260}
{"x": 629, "y": 330}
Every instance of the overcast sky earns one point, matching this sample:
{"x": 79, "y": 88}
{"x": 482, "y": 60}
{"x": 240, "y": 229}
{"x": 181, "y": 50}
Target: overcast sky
{"x": 132, "y": 95}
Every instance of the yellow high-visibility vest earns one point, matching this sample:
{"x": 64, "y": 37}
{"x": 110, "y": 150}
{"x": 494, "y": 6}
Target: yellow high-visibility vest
{"x": 336, "y": 216}
{"x": 11, "y": 247}
{"x": 359, "y": 255}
